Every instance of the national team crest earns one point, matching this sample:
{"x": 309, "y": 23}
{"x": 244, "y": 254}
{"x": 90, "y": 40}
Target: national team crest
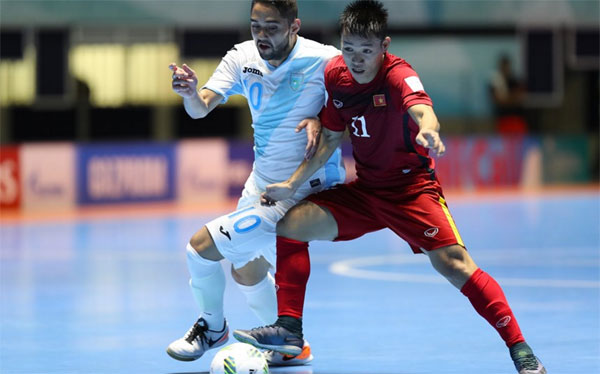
{"x": 379, "y": 100}
{"x": 296, "y": 80}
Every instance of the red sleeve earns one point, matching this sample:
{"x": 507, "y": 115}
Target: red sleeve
{"x": 407, "y": 88}
{"x": 330, "y": 116}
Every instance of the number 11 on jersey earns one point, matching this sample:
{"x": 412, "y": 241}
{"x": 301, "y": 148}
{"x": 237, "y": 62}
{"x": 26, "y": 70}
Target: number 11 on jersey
{"x": 363, "y": 126}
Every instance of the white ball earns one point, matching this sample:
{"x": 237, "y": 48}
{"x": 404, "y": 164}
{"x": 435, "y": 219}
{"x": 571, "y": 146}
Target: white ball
{"x": 239, "y": 358}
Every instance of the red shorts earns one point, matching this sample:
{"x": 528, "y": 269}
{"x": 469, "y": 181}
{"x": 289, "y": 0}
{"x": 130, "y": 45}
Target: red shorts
{"x": 417, "y": 213}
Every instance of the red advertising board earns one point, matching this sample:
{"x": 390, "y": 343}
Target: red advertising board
{"x": 10, "y": 179}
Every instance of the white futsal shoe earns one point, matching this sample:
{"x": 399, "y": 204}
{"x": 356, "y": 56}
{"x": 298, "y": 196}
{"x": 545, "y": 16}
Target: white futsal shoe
{"x": 279, "y": 359}
{"x": 198, "y": 340}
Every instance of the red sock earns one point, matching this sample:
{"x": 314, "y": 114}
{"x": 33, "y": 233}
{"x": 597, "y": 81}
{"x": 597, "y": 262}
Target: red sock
{"x": 489, "y": 301}
{"x": 293, "y": 269}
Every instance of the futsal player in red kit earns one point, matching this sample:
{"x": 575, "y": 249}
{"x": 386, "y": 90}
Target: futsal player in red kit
{"x": 379, "y": 98}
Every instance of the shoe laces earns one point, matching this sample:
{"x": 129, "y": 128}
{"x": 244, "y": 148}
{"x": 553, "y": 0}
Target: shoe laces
{"x": 528, "y": 362}
{"x": 271, "y": 326}
{"x": 197, "y": 332}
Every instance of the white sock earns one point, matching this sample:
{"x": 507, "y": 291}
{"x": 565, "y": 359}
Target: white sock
{"x": 208, "y": 286}
{"x": 262, "y": 299}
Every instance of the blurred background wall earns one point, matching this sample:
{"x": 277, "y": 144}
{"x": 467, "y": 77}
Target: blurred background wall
{"x": 88, "y": 116}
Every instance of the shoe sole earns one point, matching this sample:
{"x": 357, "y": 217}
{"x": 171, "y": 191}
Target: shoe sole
{"x": 291, "y": 350}
{"x": 181, "y": 358}
{"x": 291, "y": 362}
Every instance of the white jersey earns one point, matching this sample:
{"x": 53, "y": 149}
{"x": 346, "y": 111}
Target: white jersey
{"x": 279, "y": 99}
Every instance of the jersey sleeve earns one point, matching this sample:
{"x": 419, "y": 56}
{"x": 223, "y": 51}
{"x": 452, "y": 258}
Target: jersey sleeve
{"x": 330, "y": 116}
{"x": 226, "y": 79}
{"x": 407, "y": 89}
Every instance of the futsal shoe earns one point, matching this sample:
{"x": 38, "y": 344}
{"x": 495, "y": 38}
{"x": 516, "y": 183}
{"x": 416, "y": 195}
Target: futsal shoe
{"x": 279, "y": 359}
{"x": 273, "y": 337}
{"x": 525, "y": 361}
{"x": 198, "y": 340}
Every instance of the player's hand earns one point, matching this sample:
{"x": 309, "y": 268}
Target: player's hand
{"x": 185, "y": 81}
{"x": 431, "y": 139}
{"x": 276, "y": 192}
{"x": 313, "y": 134}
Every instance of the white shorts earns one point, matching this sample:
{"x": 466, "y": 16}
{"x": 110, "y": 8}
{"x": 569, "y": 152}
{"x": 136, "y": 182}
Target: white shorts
{"x": 249, "y": 232}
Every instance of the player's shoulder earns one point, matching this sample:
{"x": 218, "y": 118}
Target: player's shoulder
{"x": 314, "y": 48}
{"x": 243, "y": 51}
{"x": 397, "y": 66}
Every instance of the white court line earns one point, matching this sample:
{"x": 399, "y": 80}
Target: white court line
{"x": 353, "y": 268}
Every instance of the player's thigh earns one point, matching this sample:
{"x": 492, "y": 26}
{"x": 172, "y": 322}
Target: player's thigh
{"x": 248, "y": 233}
{"x": 308, "y": 221}
{"x": 251, "y": 273}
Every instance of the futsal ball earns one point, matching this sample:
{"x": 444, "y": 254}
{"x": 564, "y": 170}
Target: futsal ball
{"x": 239, "y": 358}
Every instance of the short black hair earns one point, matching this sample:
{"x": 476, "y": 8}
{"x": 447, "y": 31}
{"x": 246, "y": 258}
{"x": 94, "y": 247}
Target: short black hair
{"x": 287, "y": 8}
{"x": 364, "y": 18}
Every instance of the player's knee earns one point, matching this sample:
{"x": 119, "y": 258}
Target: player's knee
{"x": 453, "y": 261}
{"x": 203, "y": 243}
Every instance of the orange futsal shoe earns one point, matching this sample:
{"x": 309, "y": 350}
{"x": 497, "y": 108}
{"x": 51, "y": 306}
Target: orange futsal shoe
{"x": 279, "y": 359}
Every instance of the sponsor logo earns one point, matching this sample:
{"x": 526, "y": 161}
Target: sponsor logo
{"x": 9, "y": 184}
{"x": 379, "y": 100}
{"x": 225, "y": 232}
{"x": 431, "y": 232}
{"x": 41, "y": 188}
{"x": 296, "y": 80}
{"x": 503, "y": 322}
{"x": 252, "y": 71}
{"x": 338, "y": 104}
{"x": 315, "y": 183}
{"x": 115, "y": 177}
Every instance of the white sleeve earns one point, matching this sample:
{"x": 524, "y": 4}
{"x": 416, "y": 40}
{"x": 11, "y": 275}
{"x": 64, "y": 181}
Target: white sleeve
{"x": 226, "y": 79}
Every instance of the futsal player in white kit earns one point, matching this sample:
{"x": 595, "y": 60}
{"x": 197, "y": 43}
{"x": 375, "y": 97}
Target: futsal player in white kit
{"x": 281, "y": 76}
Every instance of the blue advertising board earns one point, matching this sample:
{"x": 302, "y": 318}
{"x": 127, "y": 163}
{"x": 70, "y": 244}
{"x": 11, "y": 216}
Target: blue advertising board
{"x": 125, "y": 172}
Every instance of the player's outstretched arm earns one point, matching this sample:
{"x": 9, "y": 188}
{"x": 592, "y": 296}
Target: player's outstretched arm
{"x": 185, "y": 84}
{"x": 284, "y": 190}
{"x": 429, "y": 135}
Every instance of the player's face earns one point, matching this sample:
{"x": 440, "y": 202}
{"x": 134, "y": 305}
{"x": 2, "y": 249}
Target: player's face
{"x": 363, "y": 56}
{"x": 272, "y": 33}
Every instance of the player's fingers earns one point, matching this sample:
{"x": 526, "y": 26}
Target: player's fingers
{"x": 301, "y": 125}
{"x": 188, "y": 70}
{"x": 173, "y": 66}
{"x": 420, "y": 139}
{"x": 442, "y": 149}
{"x": 266, "y": 201}
{"x": 310, "y": 153}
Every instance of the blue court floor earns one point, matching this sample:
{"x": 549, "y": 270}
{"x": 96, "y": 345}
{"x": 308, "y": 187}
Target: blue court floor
{"x": 107, "y": 295}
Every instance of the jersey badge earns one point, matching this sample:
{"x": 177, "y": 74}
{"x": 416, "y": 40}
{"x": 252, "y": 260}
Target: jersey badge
{"x": 379, "y": 100}
{"x": 296, "y": 80}
{"x": 338, "y": 104}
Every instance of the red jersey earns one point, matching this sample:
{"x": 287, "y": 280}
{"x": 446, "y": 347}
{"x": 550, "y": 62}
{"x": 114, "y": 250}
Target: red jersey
{"x": 376, "y": 114}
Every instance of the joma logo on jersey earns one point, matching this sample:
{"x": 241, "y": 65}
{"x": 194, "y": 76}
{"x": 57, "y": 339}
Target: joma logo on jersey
{"x": 252, "y": 71}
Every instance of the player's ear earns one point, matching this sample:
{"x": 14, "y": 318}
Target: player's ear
{"x": 295, "y": 26}
{"x": 386, "y": 43}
